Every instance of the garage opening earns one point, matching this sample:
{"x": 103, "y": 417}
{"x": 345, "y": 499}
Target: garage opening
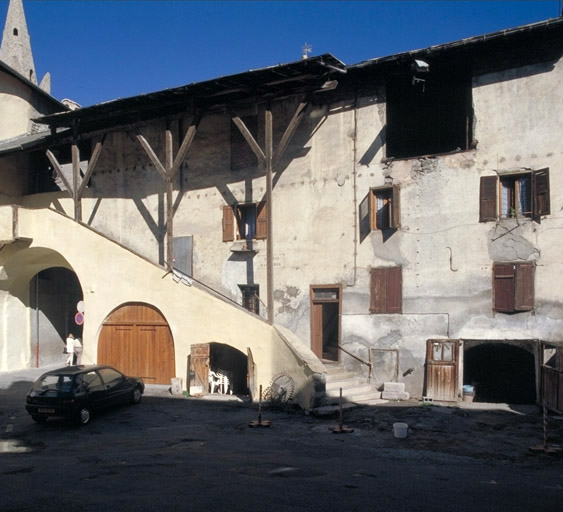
{"x": 230, "y": 361}
{"x": 218, "y": 368}
{"x": 54, "y": 296}
{"x": 501, "y": 373}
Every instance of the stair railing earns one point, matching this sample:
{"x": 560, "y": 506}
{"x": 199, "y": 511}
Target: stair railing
{"x": 367, "y": 363}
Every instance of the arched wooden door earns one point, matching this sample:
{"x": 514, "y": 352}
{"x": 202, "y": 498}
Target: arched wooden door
{"x": 136, "y": 339}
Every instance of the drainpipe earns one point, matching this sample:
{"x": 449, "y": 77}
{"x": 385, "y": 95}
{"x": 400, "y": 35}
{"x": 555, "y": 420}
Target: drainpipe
{"x": 354, "y": 182}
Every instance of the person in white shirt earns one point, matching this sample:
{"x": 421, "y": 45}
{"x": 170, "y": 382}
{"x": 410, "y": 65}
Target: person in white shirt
{"x": 69, "y": 349}
{"x": 77, "y": 351}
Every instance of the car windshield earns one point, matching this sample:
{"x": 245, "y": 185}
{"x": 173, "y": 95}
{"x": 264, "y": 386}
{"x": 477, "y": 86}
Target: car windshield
{"x": 49, "y": 384}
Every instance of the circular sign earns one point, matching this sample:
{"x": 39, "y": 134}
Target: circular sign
{"x": 79, "y": 318}
{"x": 80, "y": 306}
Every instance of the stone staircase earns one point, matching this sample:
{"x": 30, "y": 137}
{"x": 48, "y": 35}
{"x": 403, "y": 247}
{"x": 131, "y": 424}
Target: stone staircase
{"x": 356, "y": 390}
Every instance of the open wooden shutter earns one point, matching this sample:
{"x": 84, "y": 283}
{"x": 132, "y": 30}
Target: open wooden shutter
{"x": 364, "y": 213}
{"x": 540, "y": 187}
{"x": 377, "y": 290}
{"x": 503, "y": 287}
{"x": 524, "y": 287}
{"x": 395, "y": 221}
{"x": 261, "y": 221}
{"x": 488, "y": 199}
{"x": 394, "y": 290}
{"x": 228, "y": 224}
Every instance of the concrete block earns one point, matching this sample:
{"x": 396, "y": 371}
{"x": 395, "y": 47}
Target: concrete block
{"x": 394, "y": 386}
{"x": 395, "y": 395}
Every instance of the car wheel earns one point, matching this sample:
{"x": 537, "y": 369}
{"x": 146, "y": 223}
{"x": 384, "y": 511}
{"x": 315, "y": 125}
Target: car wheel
{"x": 84, "y": 415}
{"x": 136, "y": 395}
{"x": 39, "y": 419}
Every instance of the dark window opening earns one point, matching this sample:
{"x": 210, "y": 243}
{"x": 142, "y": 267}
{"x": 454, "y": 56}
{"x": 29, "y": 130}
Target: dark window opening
{"x": 386, "y": 290}
{"x": 15, "y": 31}
{"x": 250, "y": 297}
{"x": 429, "y": 113}
{"x": 500, "y": 373}
{"x": 513, "y": 287}
{"x": 242, "y": 155}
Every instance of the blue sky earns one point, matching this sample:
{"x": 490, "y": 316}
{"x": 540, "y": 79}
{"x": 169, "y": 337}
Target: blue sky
{"x": 98, "y": 50}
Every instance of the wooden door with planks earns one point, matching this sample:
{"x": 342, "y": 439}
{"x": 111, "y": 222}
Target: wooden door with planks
{"x": 136, "y": 339}
{"x": 442, "y": 369}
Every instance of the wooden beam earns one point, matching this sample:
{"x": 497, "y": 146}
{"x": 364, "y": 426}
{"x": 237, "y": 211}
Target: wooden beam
{"x": 289, "y": 132}
{"x": 58, "y": 169}
{"x": 152, "y": 155}
{"x": 269, "y": 138}
{"x": 75, "y": 151}
{"x": 186, "y": 143}
{"x": 91, "y": 165}
{"x": 169, "y": 158}
{"x": 250, "y": 140}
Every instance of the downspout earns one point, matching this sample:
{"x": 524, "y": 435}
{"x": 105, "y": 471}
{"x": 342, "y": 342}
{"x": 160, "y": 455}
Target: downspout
{"x": 355, "y": 187}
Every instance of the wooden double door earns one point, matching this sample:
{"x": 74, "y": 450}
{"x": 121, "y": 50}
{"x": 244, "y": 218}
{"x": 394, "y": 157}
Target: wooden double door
{"x": 136, "y": 339}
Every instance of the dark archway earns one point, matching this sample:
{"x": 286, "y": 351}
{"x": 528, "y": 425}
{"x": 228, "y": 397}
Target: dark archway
{"x": 54, "y": 295}
{"x": 228, "y": 359}
{"x": 501, "y": 373}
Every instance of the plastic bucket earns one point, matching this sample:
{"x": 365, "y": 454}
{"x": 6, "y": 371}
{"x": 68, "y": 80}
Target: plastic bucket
{"x": 400, "y": 430}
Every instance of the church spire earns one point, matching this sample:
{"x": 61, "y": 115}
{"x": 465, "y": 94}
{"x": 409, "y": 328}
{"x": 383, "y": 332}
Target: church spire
{"x": 16, "y": 45}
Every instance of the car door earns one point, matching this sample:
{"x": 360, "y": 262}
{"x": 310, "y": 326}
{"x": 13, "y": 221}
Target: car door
{"x": 90, "y": 390}
{"x": 115, "y": 386}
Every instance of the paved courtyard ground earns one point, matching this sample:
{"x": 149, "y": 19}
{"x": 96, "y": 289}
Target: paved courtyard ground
{"x": 180, "y": 453}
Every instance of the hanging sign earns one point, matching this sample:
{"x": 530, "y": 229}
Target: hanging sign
{"x": 79, "y": 318}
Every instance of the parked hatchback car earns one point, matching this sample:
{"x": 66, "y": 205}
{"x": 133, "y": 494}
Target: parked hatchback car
{"x": 77, "y": 392}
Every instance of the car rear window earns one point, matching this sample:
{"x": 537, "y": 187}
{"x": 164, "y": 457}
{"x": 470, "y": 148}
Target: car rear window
{"x": 53, "y": 384}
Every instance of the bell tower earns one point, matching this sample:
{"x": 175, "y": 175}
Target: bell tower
{"x": 16, "y": 45}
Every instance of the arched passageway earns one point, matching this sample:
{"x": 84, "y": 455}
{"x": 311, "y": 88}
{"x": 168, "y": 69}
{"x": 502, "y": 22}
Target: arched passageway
{"x": 136, "y": 339}
{"x": 228, "y": 359}
{"x": 54, "y": 295}
{"x": 501, "y": 373}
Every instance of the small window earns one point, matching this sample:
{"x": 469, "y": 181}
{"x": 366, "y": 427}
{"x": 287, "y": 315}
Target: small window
{"x": 513, "y": 287}
{"x": 251, "y": 222}
{"x": 515, "y": 195}
{"x": 379, "y": 210}
{"x": 386, "y": 290}
{"x": 15, "y": 32}
{"x": 242, "y": 155}
{"x": 250, "y": 297}
{"x": 110, "y": 376}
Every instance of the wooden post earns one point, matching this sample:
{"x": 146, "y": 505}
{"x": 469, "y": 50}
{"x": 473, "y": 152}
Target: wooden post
{"x": 75, "y": 181}
{"x": 169, "y": 180}
{"x": 269, "y": 209}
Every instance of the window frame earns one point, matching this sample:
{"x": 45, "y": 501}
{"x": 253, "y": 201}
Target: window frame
{"x": 491, "y": 191}
{"x": 367, "y": 210}
{"x": 250, "y": 297}
{"x": 233, "y": 220}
